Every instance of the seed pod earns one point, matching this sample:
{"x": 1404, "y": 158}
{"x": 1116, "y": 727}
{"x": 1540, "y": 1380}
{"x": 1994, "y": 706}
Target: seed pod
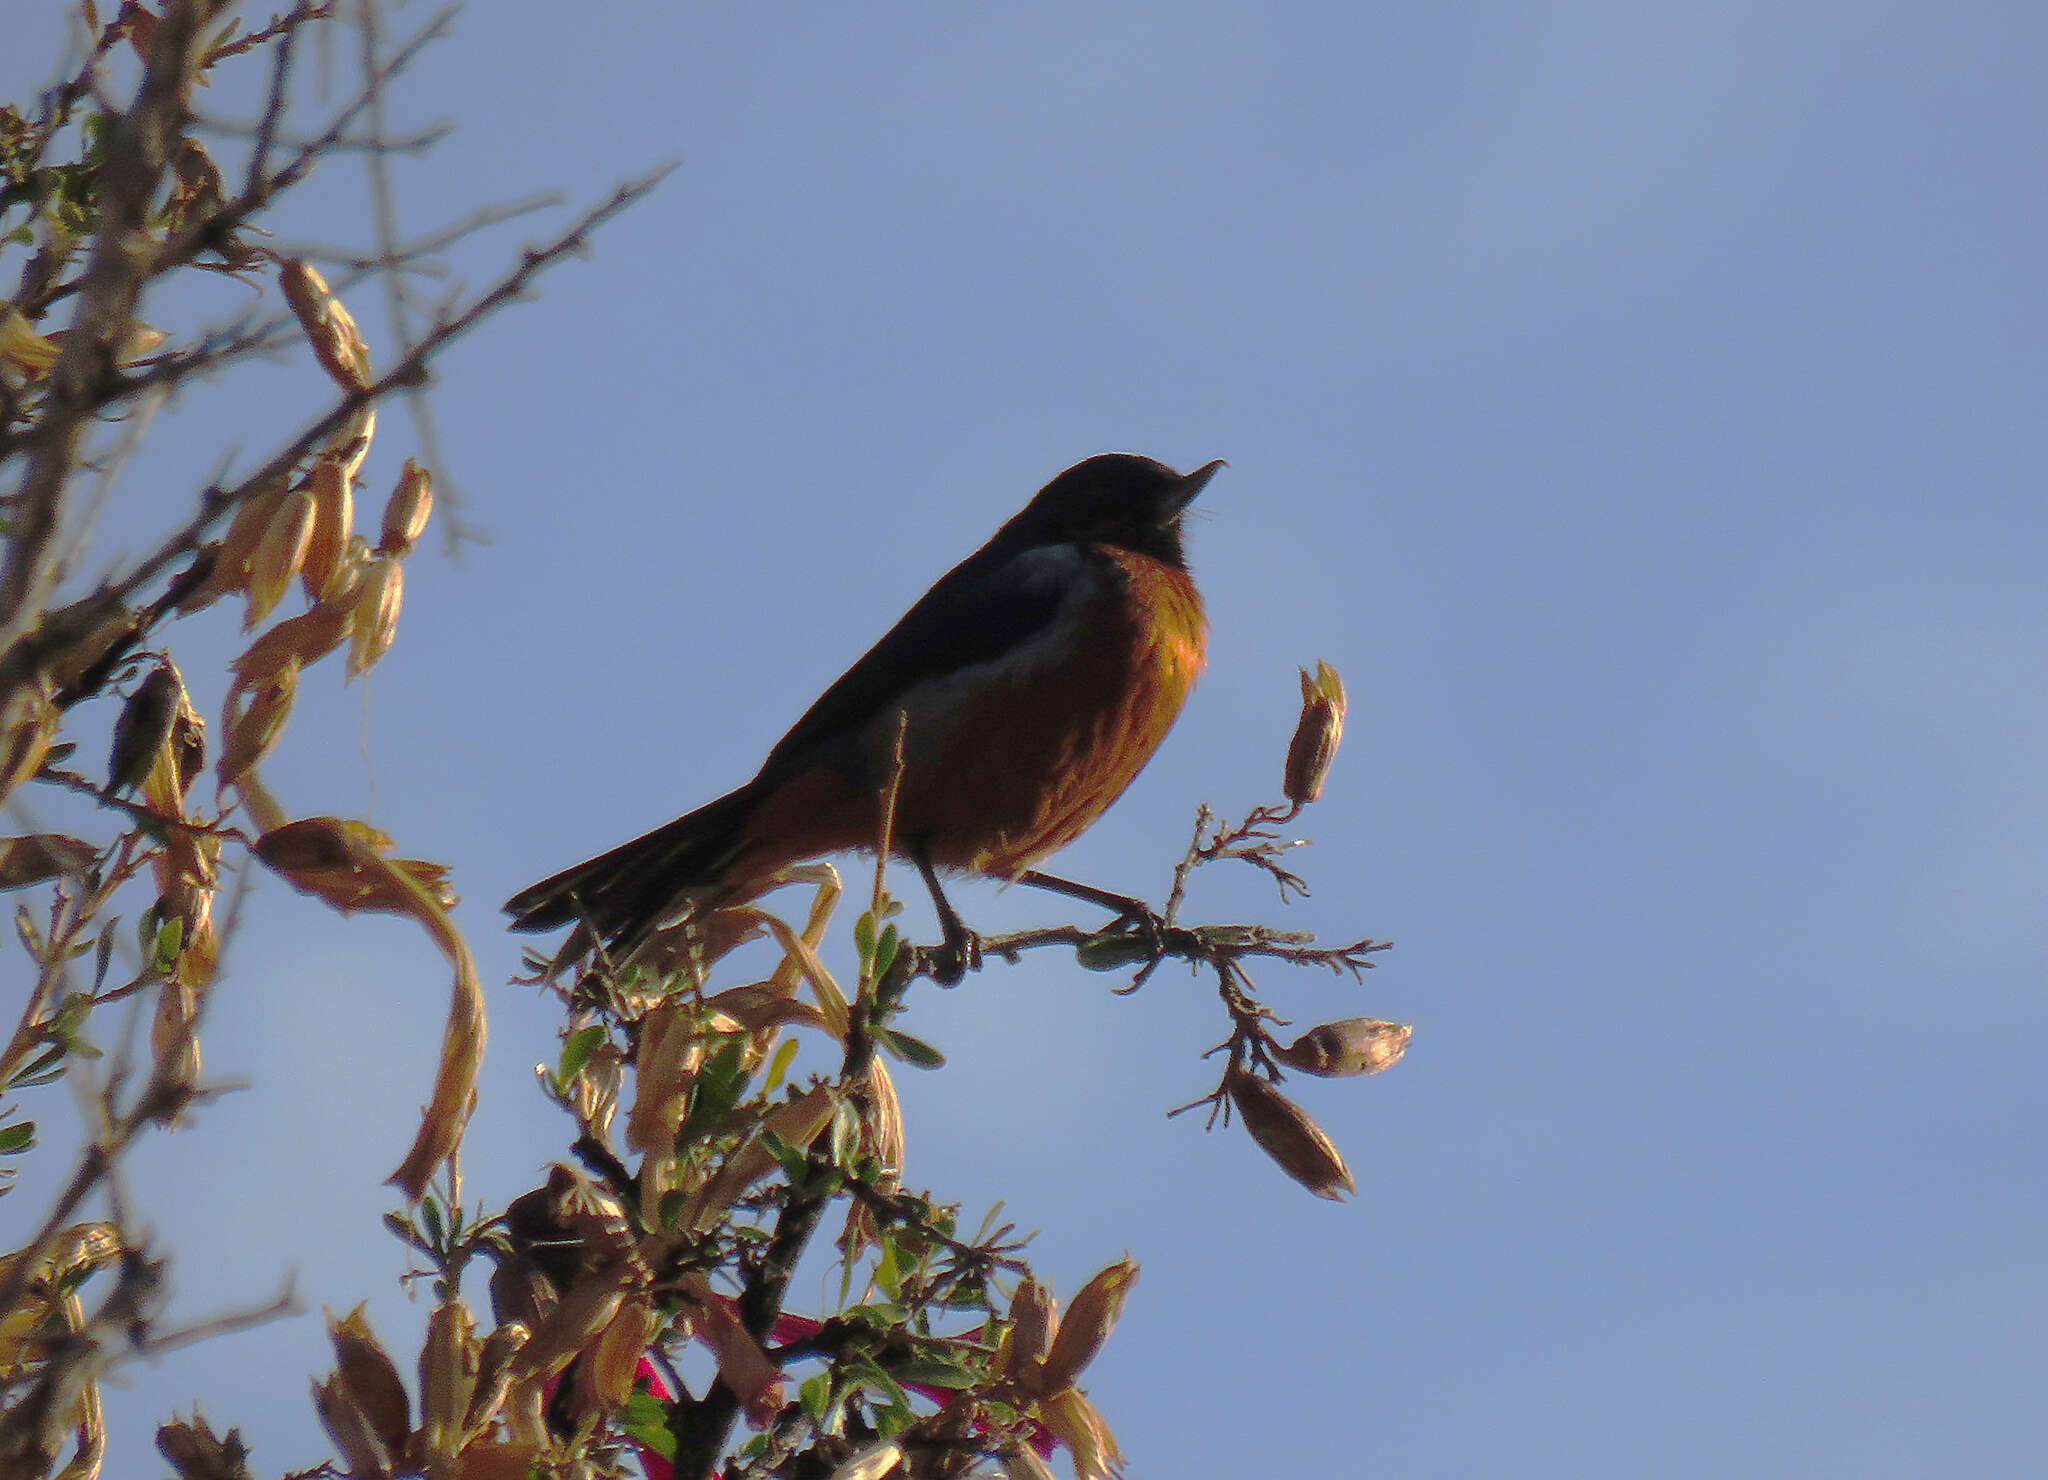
{"x": 1033, "y": 1316}
{"x": 329, "y": 326}
{"x": 371, "y": 1378}
{"x": 354, "y": 1436}
{"x": 448, "y": 1368}
{"x": 28, "y": 726}
{"x": 494, "y": 1373}
{"x": 405, "y": 515}
{"x": 145, "y": 724}
{"x": 197, "y": 1453}
{"x": 1351, "y": 1046}
{"x": 1091, "y": 1316}
{"x": 333, "y": 523}
{"x": 1285, "y": 1132}
{"x": 279, "y": 552}
{"x": 373, "y": 617}
{"x": 255, "y": 730}
{"x": 1316, "y": 734}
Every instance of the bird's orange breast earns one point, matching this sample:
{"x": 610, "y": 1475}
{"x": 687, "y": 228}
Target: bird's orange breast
{"x": 1029, "y": 761}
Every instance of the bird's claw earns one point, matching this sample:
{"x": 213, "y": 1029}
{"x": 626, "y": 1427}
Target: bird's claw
{"x": 957, "y": 955}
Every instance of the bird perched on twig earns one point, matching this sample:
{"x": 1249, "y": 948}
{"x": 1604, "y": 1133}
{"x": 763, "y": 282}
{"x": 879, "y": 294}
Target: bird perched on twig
{"x": 1030, "y": 685}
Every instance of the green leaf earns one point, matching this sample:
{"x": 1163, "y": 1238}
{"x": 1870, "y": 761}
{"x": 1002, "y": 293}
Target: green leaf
{"x": 646, "y": 1423}
{"x": 938, "y": 1373}
{"x": 864, "y": 937}
{"x": 577, "y": 1051}
{"x": 796, "y": 1165}
{"x": 912, "y": 1051}
{"x": 17, "y": 1138}
{"x": 816, "y": 1396}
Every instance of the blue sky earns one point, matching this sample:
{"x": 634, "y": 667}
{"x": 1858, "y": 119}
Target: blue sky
{"x": 1639, "y": 403}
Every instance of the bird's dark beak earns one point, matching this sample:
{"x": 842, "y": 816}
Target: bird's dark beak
{"x": 1190, "y": 487}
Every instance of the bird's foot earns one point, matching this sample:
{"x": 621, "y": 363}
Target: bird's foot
{"x": 957, "y": 955}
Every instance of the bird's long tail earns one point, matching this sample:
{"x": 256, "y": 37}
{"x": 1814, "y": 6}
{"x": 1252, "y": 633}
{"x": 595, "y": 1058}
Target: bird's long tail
{"x": 623, "y": 896}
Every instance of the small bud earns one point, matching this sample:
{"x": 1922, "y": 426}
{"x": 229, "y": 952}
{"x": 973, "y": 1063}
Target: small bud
{"x": 1352, "y": 1046}
{"x": 373, "y": 618}
{"x": 1316, "y": 736}
{"x": 41, "y": 856}
{"x": 145, "y": 724}
{"x": 333, "y": 522}
{"x": 279, "y": 552}
{"x": 329, "y": 326}
{"x": 1285, "y": 1132}
{"x": 1091, "y": 1316}
{"x": 405, "y": 516}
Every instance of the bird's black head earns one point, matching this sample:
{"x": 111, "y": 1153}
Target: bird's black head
{"x": 1115, "y": 499}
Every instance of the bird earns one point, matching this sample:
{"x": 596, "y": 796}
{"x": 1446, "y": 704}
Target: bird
{"x": 1027, "y": 689}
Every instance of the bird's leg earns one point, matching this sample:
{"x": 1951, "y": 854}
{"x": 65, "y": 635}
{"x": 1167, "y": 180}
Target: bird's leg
{"x": 1128, "y": 910}
{"x": 962, "y": 950}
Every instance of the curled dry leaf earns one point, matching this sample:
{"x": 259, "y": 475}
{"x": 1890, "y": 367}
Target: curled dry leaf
{"x": 39, "y": 856}
{"x": 1285, "y": 1132}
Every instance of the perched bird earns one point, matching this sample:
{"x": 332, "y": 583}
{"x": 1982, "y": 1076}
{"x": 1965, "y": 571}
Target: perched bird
{"x": 1031, "y": 684}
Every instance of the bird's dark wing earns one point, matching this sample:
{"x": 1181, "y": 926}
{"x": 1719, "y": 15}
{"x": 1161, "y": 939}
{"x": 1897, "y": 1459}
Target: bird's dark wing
{"x": 986, "y": 607}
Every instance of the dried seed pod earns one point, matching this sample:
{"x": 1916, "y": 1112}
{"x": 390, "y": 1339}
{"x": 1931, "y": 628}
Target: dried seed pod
{"x": 1076, "y": 1423}
{"x": 41, "y": 856}
{"x": 1034, "y": 1315}
{"x": 253, "y": 731}
{"x": 192, "y": 1448}
{"x": 1285, "y": 1132}
{"x": 494, "y": 1373}
{"x": 1091, "y": 1316}
{"x": 146, "y": 722}
{"x": 361, "y": 1448}
{"x": 279, "y": 552}
{"x": 448, "y": 1369}
{"x": 405, "y": 515}
{"x": 372, "y": 1379}
{"x": 230, "y": 573}
{"x": 616, "y": 1358}
{"x": 1350, "y": 1046}
{"x": 304, "y": 639}
{"x": 1316, "y": 735}
{"x": 373, "y": 617}
{"x": 334, "y": 515}
{"x": 329, "y": 326}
